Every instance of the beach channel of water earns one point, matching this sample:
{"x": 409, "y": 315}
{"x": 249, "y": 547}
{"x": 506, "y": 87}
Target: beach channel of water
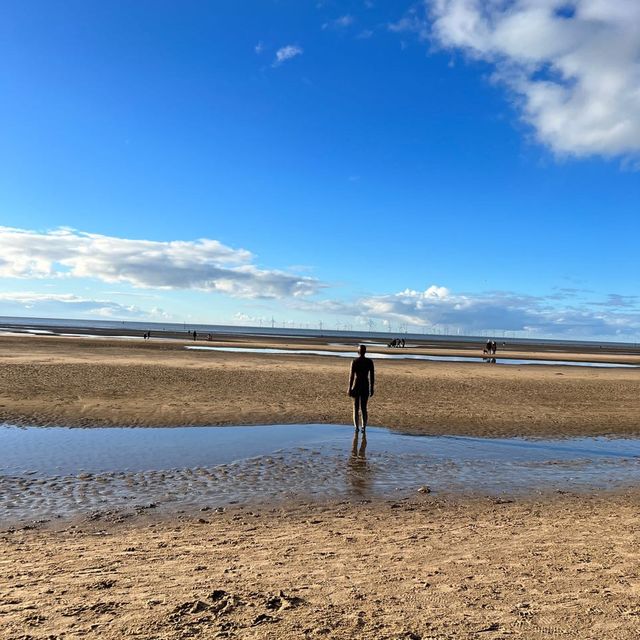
{"x": 410, "y": 356}
{"x": 48, "y": 472}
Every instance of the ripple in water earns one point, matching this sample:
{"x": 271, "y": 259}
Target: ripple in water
{"x": 50, "y": 472}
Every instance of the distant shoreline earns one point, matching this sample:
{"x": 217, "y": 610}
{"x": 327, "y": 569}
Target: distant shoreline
{"x": 176, "y": 331}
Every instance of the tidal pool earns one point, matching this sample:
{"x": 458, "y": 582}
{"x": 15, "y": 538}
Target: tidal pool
{"x": 410, "y": 356}
{"x": 57, "y": 471}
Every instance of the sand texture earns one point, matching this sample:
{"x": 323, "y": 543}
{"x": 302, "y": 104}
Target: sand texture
{"x": 80, "y": 382}
{"x": 564, "y": 567}
{"x": 549, "y": 566}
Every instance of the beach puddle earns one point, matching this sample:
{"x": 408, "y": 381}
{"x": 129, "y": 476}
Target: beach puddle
{"x": 55, "y": 471}
{"x": 410, "y": 356}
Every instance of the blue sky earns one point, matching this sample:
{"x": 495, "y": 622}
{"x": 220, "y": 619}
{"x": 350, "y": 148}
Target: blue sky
{"x": 432, "y": 166}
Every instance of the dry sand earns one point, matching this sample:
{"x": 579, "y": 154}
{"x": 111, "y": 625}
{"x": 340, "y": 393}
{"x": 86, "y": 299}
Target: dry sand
{"x": 563, "y": 566}
{"x": 84, "y": 382}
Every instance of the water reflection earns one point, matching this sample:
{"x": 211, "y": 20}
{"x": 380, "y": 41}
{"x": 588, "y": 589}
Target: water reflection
{"x": 359, "y": 470}
{"x": 361, "y": 452}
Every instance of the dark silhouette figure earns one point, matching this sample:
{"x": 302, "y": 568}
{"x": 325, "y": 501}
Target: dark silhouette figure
{"x": 195, "y": 335}
{"x": 361, "y": 385}
{"x": 494, "y": 347}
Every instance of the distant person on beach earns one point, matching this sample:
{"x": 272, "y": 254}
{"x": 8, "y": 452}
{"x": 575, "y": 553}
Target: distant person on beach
{"x": 361, "y": 385}
{"x": 195, "y": 335}
{"x": 494, "y": 347}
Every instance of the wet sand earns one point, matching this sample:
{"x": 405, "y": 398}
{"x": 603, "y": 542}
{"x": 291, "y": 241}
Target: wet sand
{"x": 421, "y": 568}
{"x": 84, "y": 382}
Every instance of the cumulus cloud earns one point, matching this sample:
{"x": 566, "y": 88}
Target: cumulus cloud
{"x": 437, "y": 308}
{"x": 203, "y": 264}
{"x": 573, "y": 67}
{"x": 287, "y": 53}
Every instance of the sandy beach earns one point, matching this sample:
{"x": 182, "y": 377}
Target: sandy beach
{"x": 83, "y": 382}
{"x": 427, "y": 566}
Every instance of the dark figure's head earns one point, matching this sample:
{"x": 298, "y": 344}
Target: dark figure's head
{"x": 362, "y": 349}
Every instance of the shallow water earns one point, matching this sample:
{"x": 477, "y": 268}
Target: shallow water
{"x": 6, "y": 331}
{"x": 408, "y": 356}
{"x": 47, "y": 472}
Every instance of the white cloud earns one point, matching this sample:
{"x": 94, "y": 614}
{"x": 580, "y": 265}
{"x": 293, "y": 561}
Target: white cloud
{"x": 287, "y": 53}
{"x": 259, "y": 48}
{"x": 248, "y": 319}
{"x": 545, "y": 316}
{"x": 413, "y": 21}
{"x": 203, "y": 264}
{"x": 573, "y": 67}
{"x": 339, "y": 23}
{"x": 64, "y": 304}
{"x": 365, "y": 34}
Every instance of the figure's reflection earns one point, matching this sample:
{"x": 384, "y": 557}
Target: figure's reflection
{"x": 359, "y": 471}
{"x": 359, "y": 453}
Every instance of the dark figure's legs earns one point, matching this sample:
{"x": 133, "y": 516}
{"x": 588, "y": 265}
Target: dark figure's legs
{"x": 360, "y": 407}
{"x": 363, "y": 407}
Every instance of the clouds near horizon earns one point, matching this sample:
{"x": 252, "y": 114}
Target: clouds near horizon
{"x": 437, "y": 308}
{"x": 204, "y": 264}
{"x": 26, "y": 302}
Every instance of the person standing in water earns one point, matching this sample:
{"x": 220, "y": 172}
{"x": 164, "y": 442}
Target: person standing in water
{"x": 361, "y": 384}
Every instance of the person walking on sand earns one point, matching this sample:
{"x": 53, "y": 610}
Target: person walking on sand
{"x": 361, "y": 384}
